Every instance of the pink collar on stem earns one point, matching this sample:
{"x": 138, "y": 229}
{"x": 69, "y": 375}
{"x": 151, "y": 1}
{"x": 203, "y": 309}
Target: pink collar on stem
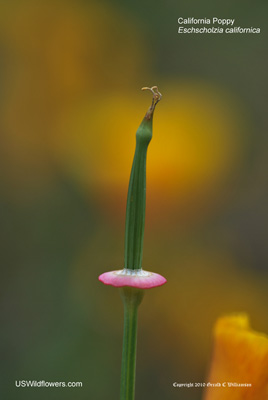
{"x": 134, "y": 278}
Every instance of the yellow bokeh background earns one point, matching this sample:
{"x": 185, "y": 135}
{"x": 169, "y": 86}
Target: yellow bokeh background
{"x": 70, "y": 104}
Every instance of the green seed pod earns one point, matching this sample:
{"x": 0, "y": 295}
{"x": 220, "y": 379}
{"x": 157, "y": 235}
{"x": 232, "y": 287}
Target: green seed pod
{"x": 135, "y": 213}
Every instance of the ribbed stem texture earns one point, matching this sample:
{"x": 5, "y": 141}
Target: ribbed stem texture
{"x": 135, "y": 213}
{"x": 131, "y": 299}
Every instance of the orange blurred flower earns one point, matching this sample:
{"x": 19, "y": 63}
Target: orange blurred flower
{"x": 196, "y": 147}
{"x": 56, "y": 54}
{"x": 240, "y": 357}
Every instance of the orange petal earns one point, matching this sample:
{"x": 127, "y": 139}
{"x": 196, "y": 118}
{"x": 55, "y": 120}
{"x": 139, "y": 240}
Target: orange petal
{"x": 240, "y": 356}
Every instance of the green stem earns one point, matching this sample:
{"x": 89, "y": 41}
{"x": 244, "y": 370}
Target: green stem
{"x": 135, "y": 215}
{"x": 136, "y": 199}
{"x": 131, "y": 298}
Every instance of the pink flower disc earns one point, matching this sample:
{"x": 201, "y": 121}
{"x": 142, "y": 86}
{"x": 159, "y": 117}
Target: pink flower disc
{"x": 134, "y": 278}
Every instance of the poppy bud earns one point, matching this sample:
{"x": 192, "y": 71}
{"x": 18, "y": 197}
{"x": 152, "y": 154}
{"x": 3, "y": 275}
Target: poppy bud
{"x": 132, "y": 275}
